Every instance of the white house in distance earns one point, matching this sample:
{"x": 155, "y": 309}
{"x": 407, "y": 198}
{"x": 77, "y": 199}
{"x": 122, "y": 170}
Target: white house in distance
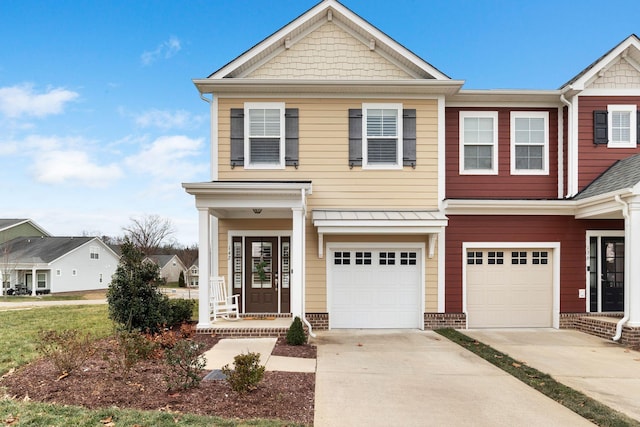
{"x": 170, "y": 266}
{"x": 57, "y": 264}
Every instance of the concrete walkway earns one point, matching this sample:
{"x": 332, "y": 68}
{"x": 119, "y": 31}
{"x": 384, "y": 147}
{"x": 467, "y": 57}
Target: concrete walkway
{"x": 416, "y": 378}
{"x": 601, "y": 369}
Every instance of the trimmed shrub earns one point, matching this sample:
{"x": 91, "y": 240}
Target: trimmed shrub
{"x": 181, "y": 282}
{"x": 247, "y": 373}
{"x": 180, "y": 311}
{"x": 295, "y": 334}
{"x": 67, "y": 350}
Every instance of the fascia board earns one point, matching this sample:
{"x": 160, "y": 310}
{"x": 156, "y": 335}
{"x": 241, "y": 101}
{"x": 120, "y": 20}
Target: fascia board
{"x": 509, "y": 207}
{"x": 471, "y": 97}
{"x": 387, "y": 230}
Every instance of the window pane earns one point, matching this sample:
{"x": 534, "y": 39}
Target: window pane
{"x": 620, "y": 126}
{"x": 478, "y": 157}
{"x": 264, "y": 150}
{"x": 529, "y": 157}
{"x": 264, "y": 122}
{"x": 382, "y": 151}
{"x": 382, "y": 122}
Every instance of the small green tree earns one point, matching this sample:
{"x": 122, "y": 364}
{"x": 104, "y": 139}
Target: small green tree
{"x": 295, "y": 334}
{"x": 135, "y": 302}
{"x": 181, "y": 283}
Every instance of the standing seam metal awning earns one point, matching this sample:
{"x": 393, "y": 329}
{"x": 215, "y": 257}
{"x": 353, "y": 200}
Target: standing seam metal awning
{"x": 378, "y": 222}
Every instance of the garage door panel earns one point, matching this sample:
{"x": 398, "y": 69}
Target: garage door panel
{"x": 515, "y": 293}
{"x": 381, "y": 294}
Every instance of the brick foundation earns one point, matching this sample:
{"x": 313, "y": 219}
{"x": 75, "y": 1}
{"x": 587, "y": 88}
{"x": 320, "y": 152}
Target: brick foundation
{"x": 445, "y": 320}
{"x": 245, "y": 332}
{"x": 602, "y": 325}
{"x": 318, "y": 321}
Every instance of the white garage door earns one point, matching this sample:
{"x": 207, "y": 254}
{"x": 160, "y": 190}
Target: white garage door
{"x": 375, "y": 288}
{"x": 509, "y": 288}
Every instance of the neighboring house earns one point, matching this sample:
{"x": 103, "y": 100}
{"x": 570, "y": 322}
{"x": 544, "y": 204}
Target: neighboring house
{"x": 194, "y": 274}
{"x": 12, "y": 228}
{"x": 357, "y": 186}
{"x": 170, "y": 266}
{"x": 58, "y": 264}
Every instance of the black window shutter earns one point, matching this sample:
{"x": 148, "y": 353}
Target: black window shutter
{"x": 409, "y": 138}
{"x": 291, "y": 137}
{"x": 355, "y": 137}
{"x": 237, "y": 137}
{"x": 600, "y": 125}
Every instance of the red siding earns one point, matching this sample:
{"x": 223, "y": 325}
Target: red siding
{"x": 595, "y": 159}
{"x": 564, "y": 229}
{"x": 504, "y": 185}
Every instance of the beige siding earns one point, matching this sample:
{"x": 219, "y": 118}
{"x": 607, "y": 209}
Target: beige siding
{"x": 324, "y": 158}
{"x": 329, "y": 53}
{"x": 621, "y": 75}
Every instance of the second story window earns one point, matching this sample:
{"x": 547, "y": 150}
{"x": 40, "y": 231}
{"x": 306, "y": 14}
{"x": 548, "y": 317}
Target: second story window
{"x": 382, "y": 145}
{"x": 264, "y": 130}
{"x": 529, "y": 142}
{"x": 479, "y": 142}
{"x": 622, "y": 126}
{"x": 94, "y": 253}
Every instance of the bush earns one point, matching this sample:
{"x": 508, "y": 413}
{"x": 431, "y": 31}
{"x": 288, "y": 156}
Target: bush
{"x": 135, "y": 302}
{"x": 68, "y": 350}
{"x": 180, "y": 311}
{"x": 186, "y": 362}
{"x": 247, "y": 373}
{"x": 181, "y": 283}
{"x": 131, "y": 348}
{"x": 295, "y": 334}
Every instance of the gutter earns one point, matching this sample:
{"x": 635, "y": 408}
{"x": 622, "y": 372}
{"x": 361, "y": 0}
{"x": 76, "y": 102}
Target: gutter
{"x": 625, "y": 319}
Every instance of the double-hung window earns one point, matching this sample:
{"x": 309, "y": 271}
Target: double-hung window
{"x": 264, "y": 132}
{"x": 529, "y": 142}
{"x": 479, "y": 142}
{"x": 382, "y": 142}
{"x": 622, "y": 126}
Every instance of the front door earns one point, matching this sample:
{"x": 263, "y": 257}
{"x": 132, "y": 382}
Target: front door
{"x": 261, "y": 278}
{"x": 612, "y": 274}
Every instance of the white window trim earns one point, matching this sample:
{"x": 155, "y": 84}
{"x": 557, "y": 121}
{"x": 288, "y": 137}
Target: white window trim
{"x": 468, "y": 114}
{"x": 631, "y": 109}
{"x": 264, "y": 105}
{"x": 400, "y": 133}
{"x": 545, "y": 147}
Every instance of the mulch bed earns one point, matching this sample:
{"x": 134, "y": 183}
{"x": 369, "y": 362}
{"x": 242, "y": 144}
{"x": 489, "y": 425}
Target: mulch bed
{"x": 282, "y": 395}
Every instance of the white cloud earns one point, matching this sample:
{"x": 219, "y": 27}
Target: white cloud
{"x": 164, "y": 50}
{"x": 165, "y": 120}
{"x": 22, "y": 100}
{"x": 73, "y": 166}
{"x": 168, "y": 157}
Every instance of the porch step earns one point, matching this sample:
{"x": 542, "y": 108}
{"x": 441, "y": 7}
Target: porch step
{"x": 250, "y": 326}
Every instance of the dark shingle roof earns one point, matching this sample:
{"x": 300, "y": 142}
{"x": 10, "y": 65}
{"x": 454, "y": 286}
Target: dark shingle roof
{"x": 6, "y": 223}
{"x": 622, "y": 174}
{"x": 42, "y": 249}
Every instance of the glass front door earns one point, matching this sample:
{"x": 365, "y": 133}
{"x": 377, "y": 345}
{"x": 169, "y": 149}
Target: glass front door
{"x": 612, "y": 274}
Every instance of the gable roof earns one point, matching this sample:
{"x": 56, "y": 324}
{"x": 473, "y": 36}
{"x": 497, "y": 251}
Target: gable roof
{"x": 162, "y": 260}
{"x": 623, "y": 174}
{"x": 6, "y": 224}
{"x": 235, "y": 74}
{"x": 43, "y": 249}
{"x": 631, "y": 43}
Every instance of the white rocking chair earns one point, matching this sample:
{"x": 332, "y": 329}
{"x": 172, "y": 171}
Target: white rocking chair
{"x": 221, "y": 304}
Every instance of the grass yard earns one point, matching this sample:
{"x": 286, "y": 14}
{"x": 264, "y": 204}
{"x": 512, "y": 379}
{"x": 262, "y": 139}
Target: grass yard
{"x": 34, "y": 414}
{"x": 20, "y": 329}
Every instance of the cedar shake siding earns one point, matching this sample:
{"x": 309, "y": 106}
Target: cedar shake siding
{"x": 504, "y": 185}
{"x": 594, "y": 159}
{"x": 570, "y": 233}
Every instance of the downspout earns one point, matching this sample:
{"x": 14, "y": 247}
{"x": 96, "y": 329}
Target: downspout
{"x": 568, "y": 141}
{"x": 304, "y": 262}
{"x": 625, "y": 319}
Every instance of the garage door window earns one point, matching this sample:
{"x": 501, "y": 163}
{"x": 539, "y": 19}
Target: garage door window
{"x": 408, "y": 258}
{"x": 363, "y": 258}
{"x": 518, "y": 258}
{"x": 540, "y": 258}
{"x": 342, "y": 258}
{"x": 474, "y": 258}
{"x": 387, "y": 258}
{"x": 495, "y": 258}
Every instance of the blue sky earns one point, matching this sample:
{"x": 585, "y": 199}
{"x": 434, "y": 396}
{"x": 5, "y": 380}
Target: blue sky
{"x": 100, "y": 122}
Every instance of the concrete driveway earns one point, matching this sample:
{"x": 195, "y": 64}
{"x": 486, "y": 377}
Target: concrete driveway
{"x": 601, "y": 369}
{"x": 417, "y": 378}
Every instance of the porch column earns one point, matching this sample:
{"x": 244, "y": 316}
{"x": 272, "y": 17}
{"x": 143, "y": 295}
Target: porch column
{"x": 204, "y": 263}
{"x": 632, "y": 252}
{"x": 34, "y": 281}
{"x": 297, "y": 264}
